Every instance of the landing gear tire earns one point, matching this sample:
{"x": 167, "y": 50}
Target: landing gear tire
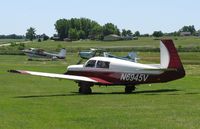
{"x": 129, "y": 89}
{"x": 85, "y": 88}
{"x": 79, "y": 90}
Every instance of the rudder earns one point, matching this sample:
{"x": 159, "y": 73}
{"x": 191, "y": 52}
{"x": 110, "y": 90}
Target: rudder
{"x": 62, "y": 53}
{"x": 170, "y": 58}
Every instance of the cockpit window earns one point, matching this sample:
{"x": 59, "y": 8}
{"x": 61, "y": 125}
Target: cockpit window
{"x": 90, "y": 63}
{"x": 103, "y": 64}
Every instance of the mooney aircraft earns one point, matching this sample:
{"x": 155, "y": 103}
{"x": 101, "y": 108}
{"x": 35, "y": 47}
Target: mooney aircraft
{"x": 112, "y": 71}
{"x": 40, "y": 53}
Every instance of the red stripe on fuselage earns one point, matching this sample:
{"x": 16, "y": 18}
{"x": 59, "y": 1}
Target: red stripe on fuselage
{"x": 115, "y": 78}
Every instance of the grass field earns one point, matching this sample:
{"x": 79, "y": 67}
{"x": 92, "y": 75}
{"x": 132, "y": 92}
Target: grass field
{"x": 3, "y": 41}
{"x": 43, "y": 103}
{"x": 142, "y": 42}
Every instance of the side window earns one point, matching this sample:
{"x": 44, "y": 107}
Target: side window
{"x": 90, "y": 63}
{"x": 103, "y": 64}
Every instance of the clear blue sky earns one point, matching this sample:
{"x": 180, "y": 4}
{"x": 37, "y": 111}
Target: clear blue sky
{"x": 143, "y": 15}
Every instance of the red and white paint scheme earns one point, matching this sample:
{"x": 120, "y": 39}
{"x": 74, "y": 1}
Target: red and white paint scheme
{"x": 112, "y": 71}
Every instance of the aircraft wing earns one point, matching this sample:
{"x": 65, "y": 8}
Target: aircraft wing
{"x": 61, "y": 76}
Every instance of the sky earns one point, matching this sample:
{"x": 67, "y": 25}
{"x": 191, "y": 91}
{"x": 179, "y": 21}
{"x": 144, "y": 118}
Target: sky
{"x": 146, "y": 16}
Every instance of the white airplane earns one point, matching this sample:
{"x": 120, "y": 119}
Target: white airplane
{"x": 112, "y": 71}
{"x": 40, "y": 53}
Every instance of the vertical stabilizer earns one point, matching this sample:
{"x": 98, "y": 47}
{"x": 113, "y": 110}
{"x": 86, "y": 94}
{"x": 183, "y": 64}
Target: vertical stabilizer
{"x": 169, "y": 59}
{"x": 168, "y": 55}
{"x": 62, "y": 53}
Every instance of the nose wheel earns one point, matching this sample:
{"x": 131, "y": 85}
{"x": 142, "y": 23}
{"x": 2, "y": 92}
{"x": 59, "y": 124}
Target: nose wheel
{"x": 129, "y": 89}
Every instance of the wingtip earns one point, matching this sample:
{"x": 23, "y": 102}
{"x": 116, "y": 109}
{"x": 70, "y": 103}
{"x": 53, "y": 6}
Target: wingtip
{"x": 13, "y": 71}
{"x": 18, "y": 71}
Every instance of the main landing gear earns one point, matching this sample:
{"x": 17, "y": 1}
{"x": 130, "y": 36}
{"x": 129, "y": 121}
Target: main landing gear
{"x": 129, "y": 89}
{"x": 85, "y": 87}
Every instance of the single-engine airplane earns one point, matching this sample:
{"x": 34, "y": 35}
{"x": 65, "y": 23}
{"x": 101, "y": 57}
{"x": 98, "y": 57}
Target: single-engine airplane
{"x": 40, "y": 53}
{"x": 93, "y": 52}
{"x": 132, "y": 56}
{"x": 112, "y": 71}
{"x": 85, "y": 55}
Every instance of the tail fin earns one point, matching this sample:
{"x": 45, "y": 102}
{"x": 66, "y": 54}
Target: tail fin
{"x": 133, "y": 56}
{"x": 169, "y": 57}
{"x": 62, "y": 53}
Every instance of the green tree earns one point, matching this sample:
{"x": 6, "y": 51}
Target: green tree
{"x": 137, "y": 34}
{"x": 110, "y": 28}
{"x": 73, "y": 34}
{"x": 30, "y": 34}
{"x": 198, "y": 32}
{"x": 96, "y": 32}
{"x": 129, "y": 33}
{"x": 124, "y": 33}
{"x": 62, "y": 27}
{"x": 45, "y": 37}
{"x": 84, "y": 27}
{"x": 157, "y": 33}
{"x": 81, "y": 34}
{"x": 188, "y": 29}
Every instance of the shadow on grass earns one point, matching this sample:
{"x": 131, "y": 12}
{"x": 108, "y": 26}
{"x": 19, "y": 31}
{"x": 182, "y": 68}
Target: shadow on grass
{"x": 39, "y": 60}
{"x": 147, "y": 92}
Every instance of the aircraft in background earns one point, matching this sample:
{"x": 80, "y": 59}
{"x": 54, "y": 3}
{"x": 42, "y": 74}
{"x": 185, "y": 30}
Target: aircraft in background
{"x": 85, "y": 55}
{"x": 106, "y": 71}
{"x": 93, "y": 52}
{"x": 132, "y": 56}
{"x": 40, "y": 53}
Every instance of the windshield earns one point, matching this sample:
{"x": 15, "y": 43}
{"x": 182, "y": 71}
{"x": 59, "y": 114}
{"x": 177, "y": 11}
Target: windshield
{"x": 90, "y": 63}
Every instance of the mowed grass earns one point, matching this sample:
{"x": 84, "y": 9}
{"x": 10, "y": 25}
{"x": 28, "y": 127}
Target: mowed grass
{"x": 3, "y": 41}
{"x": 141, "y": 42}
{"x": 39, "y": 103}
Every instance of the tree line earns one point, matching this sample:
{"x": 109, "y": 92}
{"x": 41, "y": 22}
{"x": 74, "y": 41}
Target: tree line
{"x": 12, "y": 36}
{"x": 189, "y": 28}
{"x": 84, "y": 28}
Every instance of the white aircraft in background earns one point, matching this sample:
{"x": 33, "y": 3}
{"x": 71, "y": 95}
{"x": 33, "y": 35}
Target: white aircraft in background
{"x": 108, "y": 71}
{"x": 40, "y": 53}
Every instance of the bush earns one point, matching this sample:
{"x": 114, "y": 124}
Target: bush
{"x": 59, "y": 46}
{"x": 21, "y": 46}
{"x": 176, "y": 38}
{"x": 13, "y": 44}
{"x": 45, "y": 37}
